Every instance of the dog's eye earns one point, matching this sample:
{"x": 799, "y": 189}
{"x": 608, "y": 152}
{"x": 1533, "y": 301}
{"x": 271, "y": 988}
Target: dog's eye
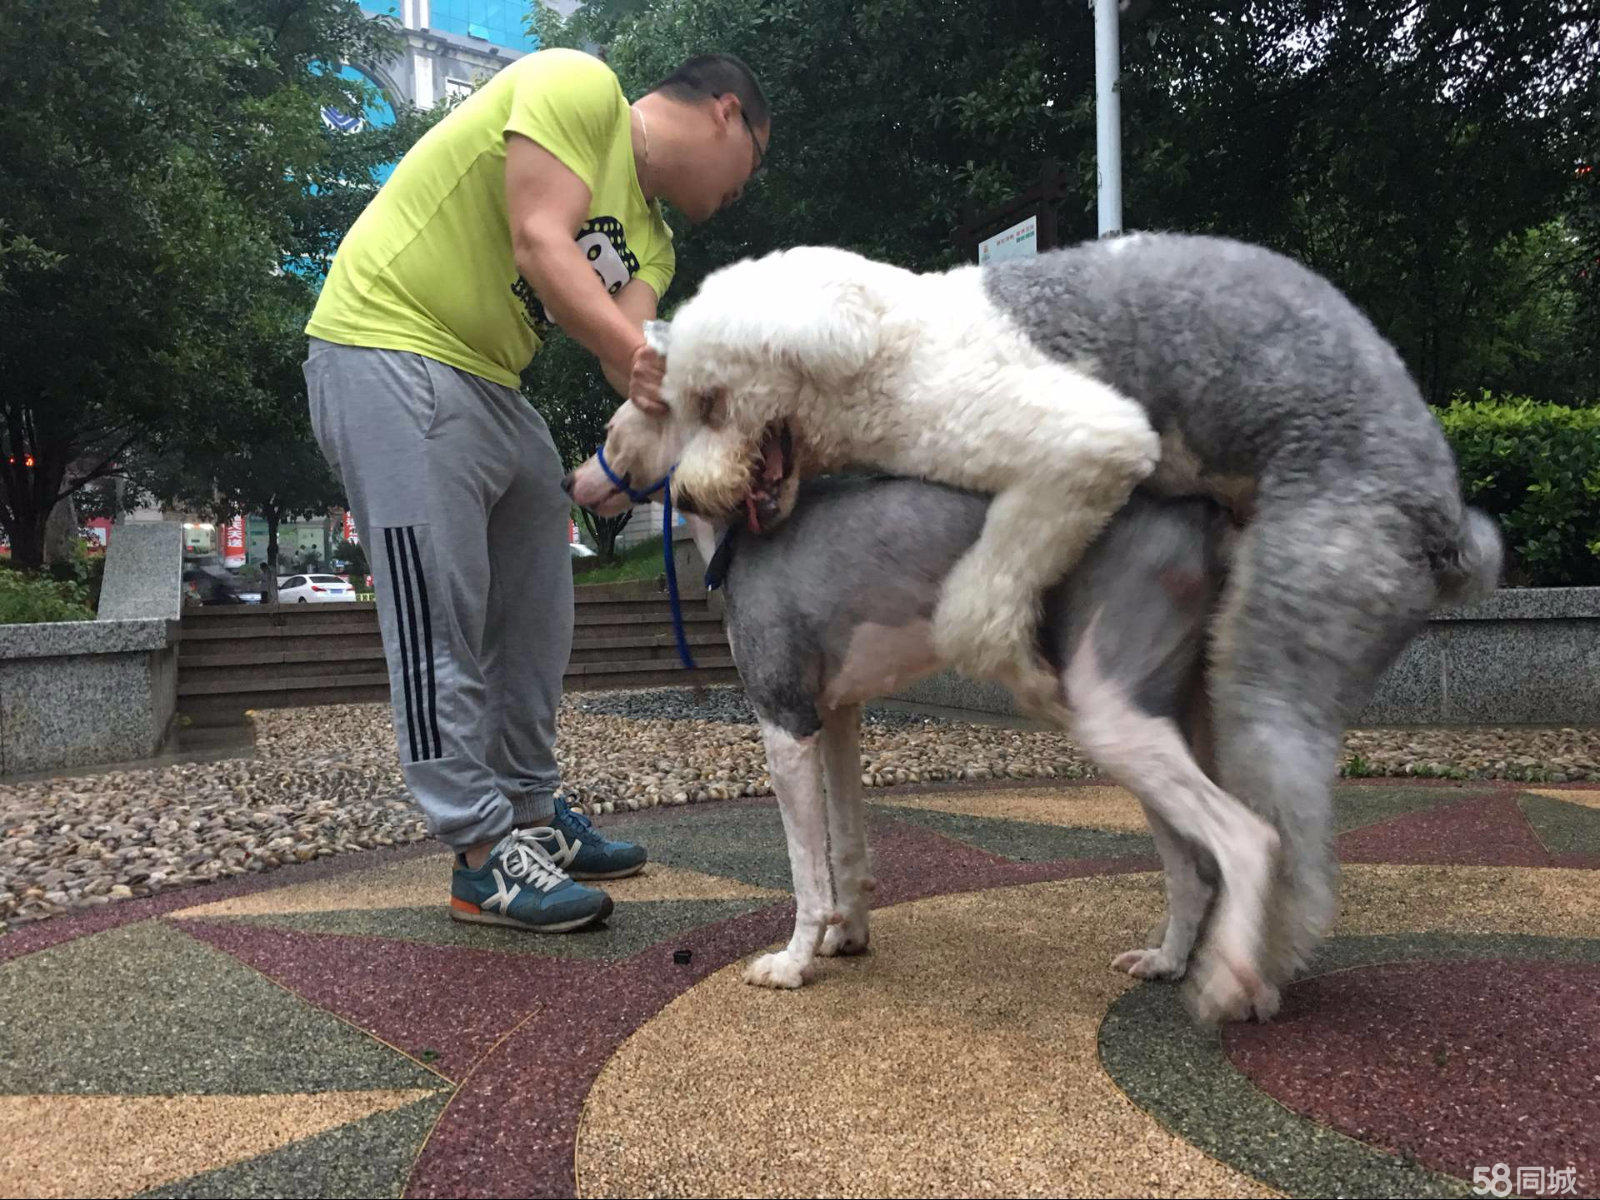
{"x": 713, "y": 406}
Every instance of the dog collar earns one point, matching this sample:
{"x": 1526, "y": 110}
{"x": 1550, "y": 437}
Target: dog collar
{"x": 717, "y": 568}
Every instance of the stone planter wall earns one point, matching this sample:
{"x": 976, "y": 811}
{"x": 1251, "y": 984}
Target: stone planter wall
{"x": 1525, "y": 656}
{"x": 78, "y": 693}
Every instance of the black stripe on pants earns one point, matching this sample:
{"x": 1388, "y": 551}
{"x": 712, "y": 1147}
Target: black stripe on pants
{"x": 406, "y": 635}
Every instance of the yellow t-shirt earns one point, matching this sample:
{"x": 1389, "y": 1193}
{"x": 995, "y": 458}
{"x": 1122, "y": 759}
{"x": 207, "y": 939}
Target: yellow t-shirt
{"x": 428, "y": 266}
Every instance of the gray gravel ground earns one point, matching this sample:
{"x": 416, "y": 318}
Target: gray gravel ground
{"x": 326, "y": 780}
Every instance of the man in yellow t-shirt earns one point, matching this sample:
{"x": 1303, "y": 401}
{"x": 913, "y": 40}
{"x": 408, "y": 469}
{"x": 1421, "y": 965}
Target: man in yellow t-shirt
{"x": 536, "y": 202}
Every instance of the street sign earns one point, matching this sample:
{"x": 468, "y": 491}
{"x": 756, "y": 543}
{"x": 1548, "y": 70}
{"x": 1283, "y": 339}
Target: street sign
{"x": 1020, "y": 241}
{"x": 1023, "y": 226}
{"x": 233, "y": 543}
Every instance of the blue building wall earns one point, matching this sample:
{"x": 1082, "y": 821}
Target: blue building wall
{"x": 498, "y": 22}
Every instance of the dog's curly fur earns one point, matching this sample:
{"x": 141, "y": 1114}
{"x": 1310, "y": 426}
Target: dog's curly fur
{"x": 917, "y": 375}
{"x": 1058, "y": 384}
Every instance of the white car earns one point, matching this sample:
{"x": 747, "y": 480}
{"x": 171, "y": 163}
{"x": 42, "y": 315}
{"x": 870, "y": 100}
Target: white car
{"x": 313, "y": 589}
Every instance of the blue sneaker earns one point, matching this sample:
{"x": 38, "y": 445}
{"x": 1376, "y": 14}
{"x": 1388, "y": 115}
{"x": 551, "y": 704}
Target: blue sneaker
{"x": 519, "y": 886}
{"x": 581, "y": 850}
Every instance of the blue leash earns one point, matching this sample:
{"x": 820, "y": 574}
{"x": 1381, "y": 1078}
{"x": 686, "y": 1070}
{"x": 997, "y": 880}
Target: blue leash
{"x": 664, "y": 486}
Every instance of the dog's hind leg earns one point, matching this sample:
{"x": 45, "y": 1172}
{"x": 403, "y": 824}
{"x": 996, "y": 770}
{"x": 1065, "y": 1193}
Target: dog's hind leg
{"x": 1149, "y": 756}
{"x": 847, "y": 832}
{"x": 1321, "y": 599}
{"x": 796, "y": 765}
{"x": 1155, "y": 575}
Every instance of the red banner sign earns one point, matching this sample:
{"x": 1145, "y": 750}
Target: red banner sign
{"x": 233, "y": 543}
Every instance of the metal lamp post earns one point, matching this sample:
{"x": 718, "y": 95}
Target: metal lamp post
{"x": 1108, "y": 116}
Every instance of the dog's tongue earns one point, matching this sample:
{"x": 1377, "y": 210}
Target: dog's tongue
{"x": 772, "y": 457}
{"x": 771, "y": 472}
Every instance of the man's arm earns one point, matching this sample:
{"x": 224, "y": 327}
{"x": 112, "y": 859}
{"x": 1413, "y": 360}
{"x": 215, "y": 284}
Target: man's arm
{"x": 638, "y": 301}
{"x": 548, "y": 204}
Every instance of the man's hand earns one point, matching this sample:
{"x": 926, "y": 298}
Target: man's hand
{"x": 644, "y": 381}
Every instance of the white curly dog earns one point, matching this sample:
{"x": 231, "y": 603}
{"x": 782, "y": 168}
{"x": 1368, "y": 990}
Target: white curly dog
{"x": 812, "y": 360}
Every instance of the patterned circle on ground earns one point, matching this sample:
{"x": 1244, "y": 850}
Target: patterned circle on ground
{"x": 1182, "y": 1076}
{"x": 1442, "y": 1052}
{"x": 958, "y": 1058}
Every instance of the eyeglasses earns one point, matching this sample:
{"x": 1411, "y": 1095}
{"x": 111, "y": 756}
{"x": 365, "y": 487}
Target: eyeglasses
{"x": 755, "y": 142}
{"x": 761, "y": 155}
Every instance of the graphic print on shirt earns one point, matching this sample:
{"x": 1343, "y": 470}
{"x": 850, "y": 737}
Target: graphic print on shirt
{"x": 603, "y": 243}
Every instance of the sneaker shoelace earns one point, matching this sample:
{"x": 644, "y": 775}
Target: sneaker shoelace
{"x": 525, "y": 859}
{"x": 565, "y": 812}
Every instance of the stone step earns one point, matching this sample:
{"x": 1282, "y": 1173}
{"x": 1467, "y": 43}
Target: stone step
{"x": 633, "y": 611}
{"x": 645, "y": 637}
{"x": 639, "y": 589}
{"x": 674, "y": 677}
{"x": 235, "y": 658}
{"x": 710, "y": 660}
{"x": 232, "y": 685}
{"x": 255, "y": 652}
{"x": 288, "y": 620}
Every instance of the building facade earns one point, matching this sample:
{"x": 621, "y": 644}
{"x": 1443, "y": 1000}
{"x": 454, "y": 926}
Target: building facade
{"x": 451, "y": 46}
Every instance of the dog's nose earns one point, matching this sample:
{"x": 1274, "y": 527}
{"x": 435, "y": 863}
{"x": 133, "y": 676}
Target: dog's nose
{"x": 566, "y": 483}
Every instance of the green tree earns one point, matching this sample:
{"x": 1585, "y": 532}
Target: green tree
{"x": 153, "y": 168}
{"x": 1402, "y": 147}
{"x": 263, "y": 458}
{"x": 257, "y": 455}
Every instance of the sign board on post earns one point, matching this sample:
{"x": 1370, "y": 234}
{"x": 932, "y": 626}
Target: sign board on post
{"x": 1020, "y": 241}
{"x": 233, "y": 543}
{"x": 1023, "y": 226}
{"x": 350, "y": 529}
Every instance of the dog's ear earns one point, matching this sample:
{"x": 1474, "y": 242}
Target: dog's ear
{"x": 834, "y": 335}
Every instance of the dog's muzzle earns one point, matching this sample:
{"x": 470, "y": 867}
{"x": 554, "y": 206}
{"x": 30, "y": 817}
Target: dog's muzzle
{"x": 770, "y": 468}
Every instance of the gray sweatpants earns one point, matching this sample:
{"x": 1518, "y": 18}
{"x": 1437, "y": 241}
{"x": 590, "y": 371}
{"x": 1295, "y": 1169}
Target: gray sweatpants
{"x": 455, "y": 487}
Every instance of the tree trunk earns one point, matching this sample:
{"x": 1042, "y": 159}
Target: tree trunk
{"x": 27, "y": 546}
{"x": 605, "y": 530}
{"x": 269, "y": 584}
{"x": 60, "y": 531}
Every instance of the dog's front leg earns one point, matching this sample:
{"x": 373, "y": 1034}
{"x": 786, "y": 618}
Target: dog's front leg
{"x": 795, "y": 764}
{"x": 847, "y": 832}
{"x": 987, "y": 619}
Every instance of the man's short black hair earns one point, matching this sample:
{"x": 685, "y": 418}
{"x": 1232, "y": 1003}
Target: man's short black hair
{"x": 707, "y": 75}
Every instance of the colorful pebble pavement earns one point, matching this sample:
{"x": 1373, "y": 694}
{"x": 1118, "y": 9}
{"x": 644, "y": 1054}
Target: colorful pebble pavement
{"x": 327, "y": 1031}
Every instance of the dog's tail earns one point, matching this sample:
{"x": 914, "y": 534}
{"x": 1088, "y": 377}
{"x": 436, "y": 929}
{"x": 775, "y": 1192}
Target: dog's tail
{"x": 1470, "y": 570}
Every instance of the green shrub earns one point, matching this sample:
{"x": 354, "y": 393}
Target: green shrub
{"x": 25, "y": 597}
{"x": 1536, "y": 469}
{"x": 83, "y": 567}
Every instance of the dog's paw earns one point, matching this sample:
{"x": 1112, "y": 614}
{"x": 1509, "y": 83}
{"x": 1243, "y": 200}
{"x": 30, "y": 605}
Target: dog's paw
{"x": 1154, "y": 963}
{"x": 1232, "y": 992}
{"x": 775, "y": 971}
{"x": 849, "y": 938}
